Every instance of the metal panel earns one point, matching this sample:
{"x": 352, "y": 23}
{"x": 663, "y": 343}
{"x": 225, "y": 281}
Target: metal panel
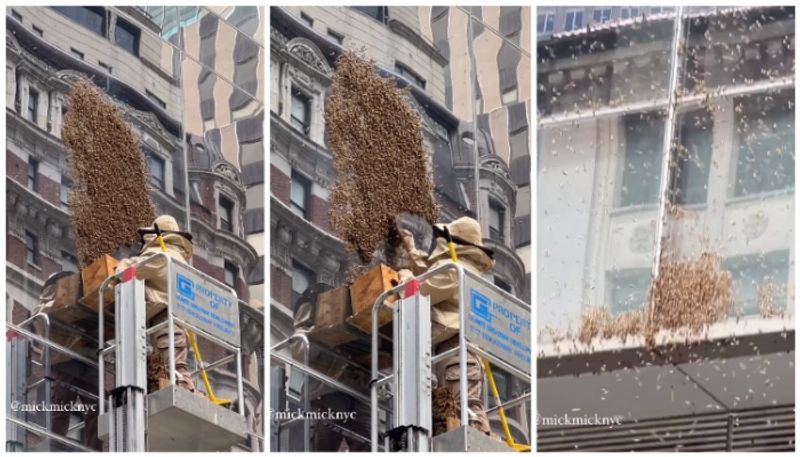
{"x": 453, "y": 441}
{"x": 205, "y": 304}
{"x": 498, "y": 323}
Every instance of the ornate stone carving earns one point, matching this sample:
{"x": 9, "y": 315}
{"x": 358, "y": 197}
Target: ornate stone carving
{"x": 308, "y": 53}
{"x": 226, "y": 170}
{"x": 428, "y": 123}
{"x": 279, "y": 38}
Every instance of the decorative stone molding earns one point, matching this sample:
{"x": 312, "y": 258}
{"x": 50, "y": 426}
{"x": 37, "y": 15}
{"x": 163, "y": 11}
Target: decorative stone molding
{"x": 428, "y": 123}
{"x": 308, "y": 53}
{"x": 277, "y": 37}
{"x": 229, "y": 172}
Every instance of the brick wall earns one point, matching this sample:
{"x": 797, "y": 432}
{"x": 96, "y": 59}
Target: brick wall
{"x": 49, "y": 190}
{"x": 279, "y": 184}
{"x": 16, "y": 168}
{"x": 318, "y": 212}
{"x": 280, "y": 286}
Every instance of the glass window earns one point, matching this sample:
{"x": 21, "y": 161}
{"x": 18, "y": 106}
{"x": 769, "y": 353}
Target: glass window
{"x": 690, "y": 176}
{"x": 629, "y": 12}
{"x": 544, "y": 23}
{"x": 656, "y": 10}
{"x": 335, "y": 36}
{"x": 501, "y": 283}
{"x": 307, "y": 19}
{"x": 574, "y": 20}
{"x": 376, "y": 12}
{"x": 64, "y": 192}
{"x": 497, "y": 215}
{"x": 157, "y": 171}
{"x": 231, "y": 274}
{"x": 31, "y": 248}
{"x": 628, "y": 289}
{"x": 644, "y": 135}
{"x": 68, "y": 261}
{"x": 127, "y": 36}
{"x": 409, "y": 74}
{"x": 33, "y": 174}
{"x": 302, "y": 279}
{"x": 91, "y": 17}
{"x": 758, "y": 280}
{"x": 301, "y": 111}
{"x": 76, "y": 53}
{"x": 765, "y": 135}
{"x": 601, "y": 14}
{"x": 299, "y": 194}
{"x": 225, "y": 213}
{"x": 33, "y": 105}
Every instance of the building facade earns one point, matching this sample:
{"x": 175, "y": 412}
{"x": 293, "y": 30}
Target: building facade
{"x": 190, "y": 82}
{"x": 468, "y": 74}
{"x": 604, "y": 109}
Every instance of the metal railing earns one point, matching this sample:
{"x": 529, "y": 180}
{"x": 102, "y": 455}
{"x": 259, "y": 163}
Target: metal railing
{"x": 463, "y": 345}
{"x": 170, "y": 323}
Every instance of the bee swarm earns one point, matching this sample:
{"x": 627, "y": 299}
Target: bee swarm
{"x": 110, "y": 195}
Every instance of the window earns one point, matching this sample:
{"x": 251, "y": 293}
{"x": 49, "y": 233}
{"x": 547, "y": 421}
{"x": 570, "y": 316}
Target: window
{"x": 302, "y": 279}
{"x": 509, "y": 96}
{"x": 408, "y": 74}
{"x": 751, "y": 274}
{"x": 15, "y": 14}
{"x": 154, "y": 98}
{"x": 690, "y": 178}
{"x": 376, "y": 12}
{"x": 33, "y": 174}
{"x": 337, "y": 37}
{"x": 64, "y": 192}
{"x": 629, "y": 13}
{"x": 544, "y": 23}
{"x": 33, "y": 105}
{"x": 301, "y": 111}
{"x": 231, "y": 274}
{"x": 574, "y": 20}
{"x": 106, "y": 67}
{"x": 37, "y": 30}
{"x": 127, "y": 37}
{"x": 656, "y": 10}
{"x": 765, "y": 137}
{"x": 76, "y": 53}
{"x": 628, "y": 289}
{"x": 299, "y": 194}
{"x": 497, "y": 216}
{"x": 501, "y": 283}
{"x": 157, "y": 170}
{"x": 644, "y": 134}
{"x": 68, "y": 261}
{"x": 91, "y": 17}
{"x": 601, "y": 14}
{"x": 225, "y": 213}
{"x": 31, "y": 248}
{"x": 307, "y": 19}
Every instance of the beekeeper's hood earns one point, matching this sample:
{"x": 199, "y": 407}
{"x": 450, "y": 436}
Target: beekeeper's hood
{"x": 173, "y": 237}
{"x": 466, "y": 234}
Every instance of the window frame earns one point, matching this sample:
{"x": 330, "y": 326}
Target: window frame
{"x": 630, "y": 10}
{"x": 131, "y": 29}
{"x": 305, "y": 183}
{"x": 33, "y": 175}
{"x": 337, "y": 37}
{"x": 153, "y": 157}
{"x": 500, "y": 209}
{"x": 233, "y": 269}
{"x": 226, "y": 206}
{"x": 382, "y": 16}
{"x": 31, "y": 248}
{"x": 63, "y": 197}
{"x": 306, "y": 100}
{"x": 601, "y": 10}
{"x": 549, "y": 18}
{"x": 98, "y": 10}
{"x": 32, "y": 113}
{"x": 309, "y": 275}
{"x": 570, "y": 27}
{"x": 410, "y": 75}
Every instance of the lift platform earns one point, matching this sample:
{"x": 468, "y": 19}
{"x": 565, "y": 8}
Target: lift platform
{"x": 496, "y": 327}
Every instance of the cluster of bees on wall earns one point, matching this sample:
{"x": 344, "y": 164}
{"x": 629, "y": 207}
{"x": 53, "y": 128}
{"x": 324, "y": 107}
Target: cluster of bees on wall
{"x": 110, "y": 195}
{"x": 382, "y": 168}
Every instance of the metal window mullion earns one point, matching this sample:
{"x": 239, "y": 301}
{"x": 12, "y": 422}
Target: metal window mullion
{"x": 667, "y": 143}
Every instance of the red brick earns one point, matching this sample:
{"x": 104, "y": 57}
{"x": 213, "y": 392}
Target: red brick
{"x": 280, "y": 286}
{"x": 49, "y": 190}
{"x": 318, "y": 212}
{"x": 280, "y": 184}
{"x": 16, "y": 168}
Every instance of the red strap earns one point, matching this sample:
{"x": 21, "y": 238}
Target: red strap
{"x": 412, "y": 288}
{"x": 128, "y": 274}
{"x": 10, "y": 335}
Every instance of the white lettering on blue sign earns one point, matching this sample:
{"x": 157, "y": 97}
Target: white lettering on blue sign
{"x": 500, "y": 327}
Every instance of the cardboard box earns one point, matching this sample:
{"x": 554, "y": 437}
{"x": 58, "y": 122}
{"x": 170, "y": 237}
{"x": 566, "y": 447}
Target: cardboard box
{"x": 332, "y": 335}
{"x": 333, "y": 307}
{"x": 93, "y": 277}
{"x": 363, "y": 293}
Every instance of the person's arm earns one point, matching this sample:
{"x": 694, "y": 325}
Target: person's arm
{"x": 418, "y": 259}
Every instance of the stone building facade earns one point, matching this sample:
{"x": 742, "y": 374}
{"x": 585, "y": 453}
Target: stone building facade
{"x": 190, "y": 83}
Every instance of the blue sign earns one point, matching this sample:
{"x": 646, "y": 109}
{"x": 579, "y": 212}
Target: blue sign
{"x": 498, "y": 324}
{"x": 205, "y": 304}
